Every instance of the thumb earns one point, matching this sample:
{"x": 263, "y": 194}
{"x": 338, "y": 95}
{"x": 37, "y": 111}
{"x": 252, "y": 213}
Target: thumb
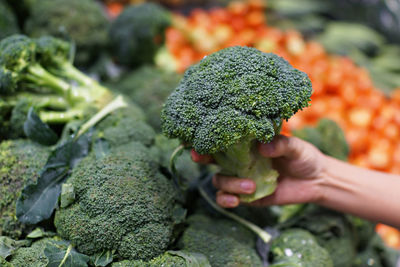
{"x": 282, "y": 146}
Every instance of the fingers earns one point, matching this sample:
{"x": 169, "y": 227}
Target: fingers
{"x": 234, "y": 185}
{"x": 227, "y": 200}
{"x": 282, "y": 146}
{"x": 203, "y": 159}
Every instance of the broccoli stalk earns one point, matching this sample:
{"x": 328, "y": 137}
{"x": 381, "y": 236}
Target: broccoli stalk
{"x": 243, "y": 160}
{"x": 38, "y": 73}
{"x": 230, "y": 101}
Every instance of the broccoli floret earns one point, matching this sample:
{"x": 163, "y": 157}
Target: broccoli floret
{"x": 332, "y": 230}
{"x": 223, "y": 242}
{"x": 36, "y": 73}
{"x": 20, "y": 163}
{"x": 137, "y": 33}
{"x": 328, "y": 137}
{"x": 149, "y": 87}
{"x": 82, "y": 21}
{"x": 8, "y": 22}
{"x": 124, "y": 126}
{"x": 231, "y": 100}
{"x": 33, "y": 255}
{"x": 297, "y": 247}
{"x": 121, "y": 203}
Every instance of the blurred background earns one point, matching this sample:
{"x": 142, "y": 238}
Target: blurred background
{"x": 350, "y": 49}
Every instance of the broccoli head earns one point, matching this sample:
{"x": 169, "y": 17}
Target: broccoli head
{"x": 20, "y": 163}
{"x": 32, "y": 256}
{"x": 231, "y": 100}
{"x": 149, "y": 87}
{"x": 122, "y": 203}
{"x": 8, "y": 22}
{"x": 297, "y": 247}
{"x": 137, "y": 33}
{"x": 37, "y": 73}
{"x": 82, "y": 21}
{"x": 223, "y": 242}
{"x": 328, "y": 137}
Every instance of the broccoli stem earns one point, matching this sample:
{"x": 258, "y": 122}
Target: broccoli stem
{"x": 243, "y": 160}
{"x": 41, "y": 77}
{"x": 61, "y": 117}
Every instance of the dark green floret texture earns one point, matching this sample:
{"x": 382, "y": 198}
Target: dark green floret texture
{"x": 121, "y": 203}
{"x": 137, "y": 34}
{"x": 20, "y": 163}
{"x": 81, "y": 21}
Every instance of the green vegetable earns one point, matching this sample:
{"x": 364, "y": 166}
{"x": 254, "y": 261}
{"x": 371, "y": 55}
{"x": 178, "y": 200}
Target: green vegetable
{"x": 137, "y": 33}
{"x": 36, "y": 73}
{"x": 20, "y": 163}
{"x": 8, "y": 22}
{"x": 223, "y": 242}
{"x": 149, "y": 87}
{"x": 81, "y": 21}
{"x": 231, "y": 100}
{"x": 328, "y": 137}
{"x": 122, "y": 203}
{"x": 32, "y": 256}
{"x": 296, "y": 248}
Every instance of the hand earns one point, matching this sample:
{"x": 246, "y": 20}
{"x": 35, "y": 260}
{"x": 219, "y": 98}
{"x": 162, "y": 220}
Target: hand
{"x": 300, "y": 165}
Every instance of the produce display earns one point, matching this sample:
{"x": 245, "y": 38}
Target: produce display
{"x": 101, "y": 103}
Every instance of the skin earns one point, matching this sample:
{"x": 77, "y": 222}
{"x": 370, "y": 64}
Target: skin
{"x": 308, "y": 176}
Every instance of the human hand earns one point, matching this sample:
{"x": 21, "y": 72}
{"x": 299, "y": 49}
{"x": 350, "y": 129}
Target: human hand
{"x": 300, "y": 165}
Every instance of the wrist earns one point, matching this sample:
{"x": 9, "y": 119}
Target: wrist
{"x": 322, "y": 180}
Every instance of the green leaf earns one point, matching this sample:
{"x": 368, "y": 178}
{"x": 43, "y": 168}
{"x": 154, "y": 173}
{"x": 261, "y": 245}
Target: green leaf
{"x": 192, "y": 259}
{"x": 38, "y": 200}
{"x": 8, "y": 245}
{"x": 62, "y": 254}
{"x": 39, "y": 233}
{"x": 102, "y": 258}
{"x": 39, "y": 131}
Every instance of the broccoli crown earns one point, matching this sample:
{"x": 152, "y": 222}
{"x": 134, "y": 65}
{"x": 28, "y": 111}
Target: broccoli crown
{"x": 332, "y": 230}
{"x": 20, "y": 163}
{"x": 8, "y": 22}
{"x": 149, "y": 87}
{"x": 328, "y": 137}
{"x": 297, "y": 247}
{"x": 121, "y": 203}
{"x": 124, "y": 126}
{"x": 52, "y": 51}
{"x": 17, "y": 52}
{"x": 235, "y": 93}
{"x": 223, "y": 242}
{"x": 82, "y": 21}
{"x": 137, "y": 33}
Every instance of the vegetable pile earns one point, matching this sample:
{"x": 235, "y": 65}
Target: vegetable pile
{"x": 98, "y": 173}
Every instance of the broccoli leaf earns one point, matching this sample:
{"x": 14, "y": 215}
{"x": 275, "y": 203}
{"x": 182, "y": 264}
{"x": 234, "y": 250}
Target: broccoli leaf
{"x": 8, "y": 245}
{"x": 63, "y": 255}
{"x": 39, "y": 131}
{"x": 192, "y": 259}
{"x": 102, "y": 258}
{"x": 101, "y": 148}
{"x": 38, "y": 200}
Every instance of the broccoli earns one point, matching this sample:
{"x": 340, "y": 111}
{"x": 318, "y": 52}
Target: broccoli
{"x": 122, "y": 203}
{"x": 223, "y": 242}
{"x": 20, "y": 163}
{"x": 297, "y": 247}
{"x": 231, "y": 100}
{"x": 328, "y": 137}
{"x": 149, "y": 87}
{"x": 332, "y": 230}
{"x": 123, "y": 126}
{"x": 8, "y": 22}
{"x": 37, "y": 72}
{"x": 81, "y": 21}
{"x": 32, "y": 256}
{"x": 137, "y": 33}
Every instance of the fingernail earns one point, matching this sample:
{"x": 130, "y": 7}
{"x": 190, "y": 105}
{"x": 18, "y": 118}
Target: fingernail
{"x": 229, "y": 200}
{"x": 247, "y": 186}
